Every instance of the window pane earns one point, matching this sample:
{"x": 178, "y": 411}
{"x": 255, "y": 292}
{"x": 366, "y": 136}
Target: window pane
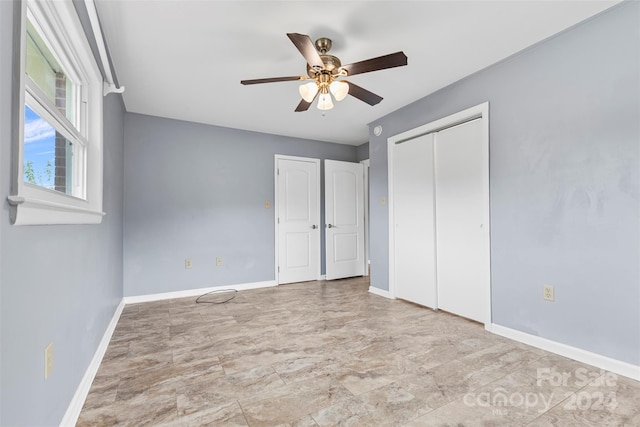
{"x": 48, "y": 155}
{"x": 43, "y": 68}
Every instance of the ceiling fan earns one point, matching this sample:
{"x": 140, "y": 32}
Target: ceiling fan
{"x": 327, "y": 74}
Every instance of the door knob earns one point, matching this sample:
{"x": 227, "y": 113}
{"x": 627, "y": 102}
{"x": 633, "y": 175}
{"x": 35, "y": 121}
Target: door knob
{"x": 314, "y": 226}
{"x": 329, "y": 226}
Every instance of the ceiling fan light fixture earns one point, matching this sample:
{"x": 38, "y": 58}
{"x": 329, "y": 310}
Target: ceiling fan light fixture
{"x": 308, "y": 91}
{"x": 325, "y": 70}
{"x": 325, "y": 102}
{"x": 339, "y": 89}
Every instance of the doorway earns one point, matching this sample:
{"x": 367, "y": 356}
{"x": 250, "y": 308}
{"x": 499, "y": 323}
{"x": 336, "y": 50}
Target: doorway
{"x": 298, "y": 226}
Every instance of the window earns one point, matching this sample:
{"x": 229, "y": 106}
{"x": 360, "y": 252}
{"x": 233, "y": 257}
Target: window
{"x": 58, "y": 171}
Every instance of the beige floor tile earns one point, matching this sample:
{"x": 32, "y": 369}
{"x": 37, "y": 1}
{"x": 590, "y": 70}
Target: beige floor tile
{"x": 349, "y": 412}
{"x": 301, "y": 401}
{"x": 227, "y": 414}
{"x": 333, "y": 354}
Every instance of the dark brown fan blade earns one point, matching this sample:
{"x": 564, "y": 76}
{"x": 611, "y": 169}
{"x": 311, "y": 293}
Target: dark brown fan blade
{"x": 271, "y": 80}
{"x": 397, "y": 59}
{"x": 363, "y": 94}
{"x": 303, "y": 106}
{"x": 307, "y": 49}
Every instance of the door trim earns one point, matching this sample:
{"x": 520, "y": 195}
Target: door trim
{"x": 367, "y": 262}
{"x": 277, "y": 157}
{"x": 478, "y": 111}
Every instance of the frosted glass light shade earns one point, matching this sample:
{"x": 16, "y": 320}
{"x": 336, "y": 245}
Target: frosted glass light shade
{"x": 339, "y": 89}
{"x": 324, "y": 102}
{"x": 308, "y": 91}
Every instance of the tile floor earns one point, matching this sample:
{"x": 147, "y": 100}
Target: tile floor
{"x": 329, "y": 354}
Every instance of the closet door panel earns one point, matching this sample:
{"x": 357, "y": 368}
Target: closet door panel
{"x": 462, "y": 250}
{"x": 414, "y": 220}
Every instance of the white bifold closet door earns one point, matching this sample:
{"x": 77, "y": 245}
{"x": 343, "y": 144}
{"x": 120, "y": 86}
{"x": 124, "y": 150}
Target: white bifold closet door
{"x": 441, "y": 247}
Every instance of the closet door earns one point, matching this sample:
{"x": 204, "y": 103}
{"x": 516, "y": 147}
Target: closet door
{"x": 414, "y": 220}
{"x": 462, "y": 239}
{"x": 298, "y": 208}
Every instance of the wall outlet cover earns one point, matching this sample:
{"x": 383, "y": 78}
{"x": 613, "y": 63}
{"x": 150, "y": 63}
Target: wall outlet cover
{"x": 48, "y": 360}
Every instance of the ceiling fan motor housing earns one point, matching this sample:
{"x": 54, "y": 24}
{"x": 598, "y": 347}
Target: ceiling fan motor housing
{"x": 323, "y": 45}
{"x": 331, "y": 63}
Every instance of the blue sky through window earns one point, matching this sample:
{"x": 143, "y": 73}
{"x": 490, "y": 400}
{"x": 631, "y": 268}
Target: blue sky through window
{"x": 39, "y": 149}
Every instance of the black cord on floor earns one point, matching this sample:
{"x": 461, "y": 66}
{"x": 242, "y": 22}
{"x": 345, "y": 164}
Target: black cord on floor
{"x": 217, "y": 291}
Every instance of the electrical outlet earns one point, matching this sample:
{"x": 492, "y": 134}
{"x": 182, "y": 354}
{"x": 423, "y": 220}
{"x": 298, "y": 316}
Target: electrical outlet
{"x": 188, "y": 263}
{"x": 48, "y": 360}
{"x": 547, "y": 293}
{"x": 383, "y": 200}
{"x": 267, "y": 204}
{"x": 218, "y": 261}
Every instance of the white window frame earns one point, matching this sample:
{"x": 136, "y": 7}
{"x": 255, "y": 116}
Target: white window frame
{"x": 32, "y": 204}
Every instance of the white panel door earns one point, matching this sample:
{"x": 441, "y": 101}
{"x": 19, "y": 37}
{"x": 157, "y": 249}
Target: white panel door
{"x": 413, "y": 215}
{"x": 298, "y": 220}
{"x": 462, "y": 237}
{"x": 344, "y": 219}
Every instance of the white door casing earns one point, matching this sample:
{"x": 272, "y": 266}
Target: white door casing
{"x": 344, "y": 219}
{"x": 365, "y": 163}
{"x": 414, "y": 218}
{"x": 297, "y": 219}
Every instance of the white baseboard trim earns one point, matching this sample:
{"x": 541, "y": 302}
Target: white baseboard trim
{"x": 196, "y": 292}
{"x": 380, "y": 292}
{"x": 73, "y": 410}
{"x": 584, "y": 356}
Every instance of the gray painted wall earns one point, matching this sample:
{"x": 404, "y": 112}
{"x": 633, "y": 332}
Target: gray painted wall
{"x": 198, "y": 191}
{"x": 58, "y": 284}
{"x": 363, "y": 152}
{"x": 564, "y": 182}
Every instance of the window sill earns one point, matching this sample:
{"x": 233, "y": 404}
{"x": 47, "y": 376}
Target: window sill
{"x": 30, "y": 211}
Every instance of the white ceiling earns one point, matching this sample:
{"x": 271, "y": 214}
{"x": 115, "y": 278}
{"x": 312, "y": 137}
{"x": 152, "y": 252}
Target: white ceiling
{"x": 184, "y": 59}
